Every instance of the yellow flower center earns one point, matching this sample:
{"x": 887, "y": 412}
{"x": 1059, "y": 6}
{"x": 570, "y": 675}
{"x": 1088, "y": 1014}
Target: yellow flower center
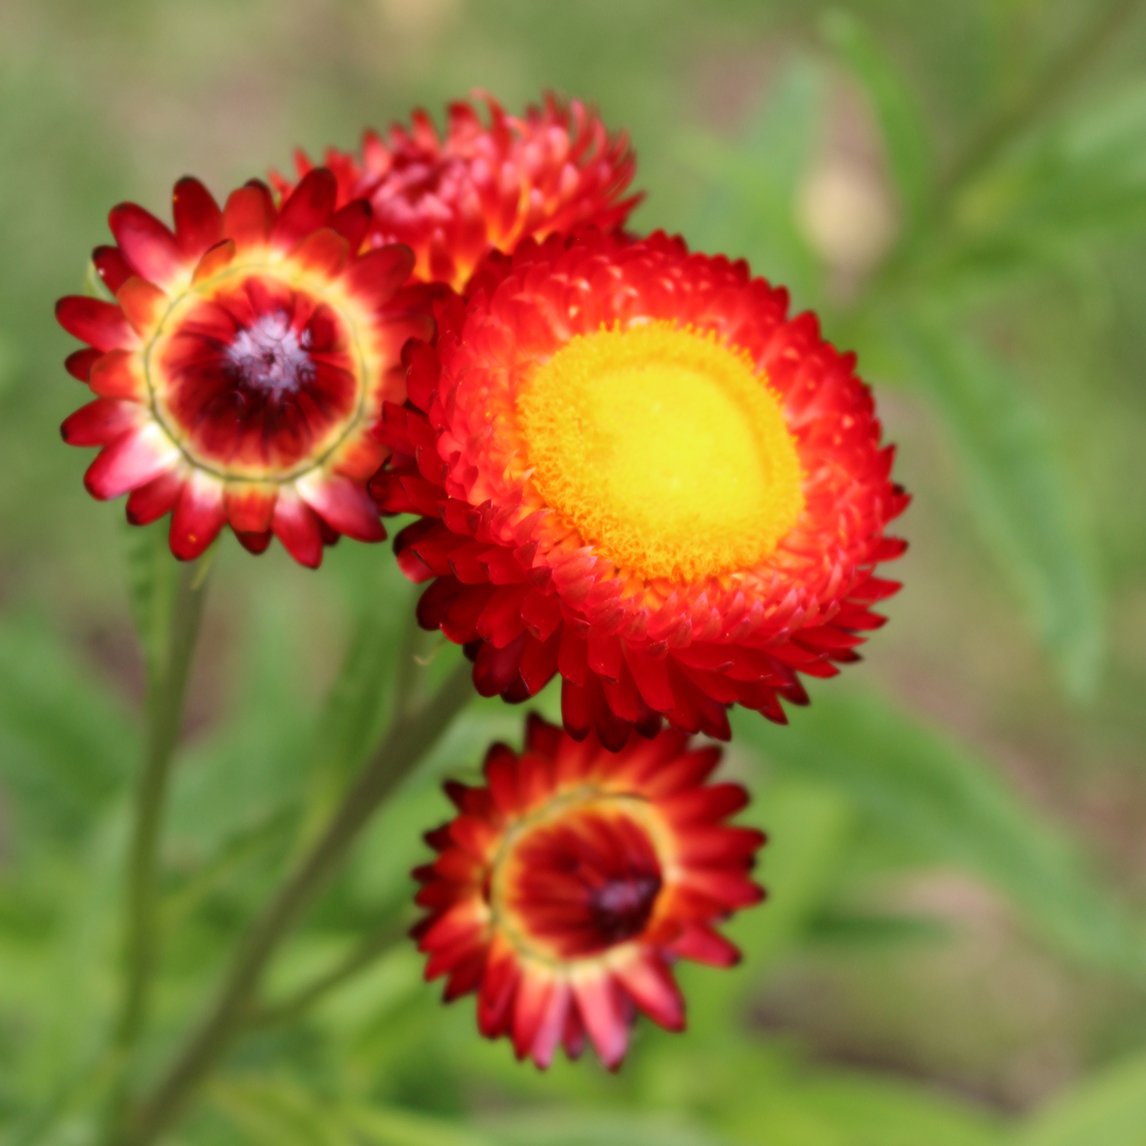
{"x": 665, "y": 449}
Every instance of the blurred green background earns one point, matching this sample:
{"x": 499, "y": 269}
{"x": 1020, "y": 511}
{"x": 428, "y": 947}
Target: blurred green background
{"x": 954, "y": 948}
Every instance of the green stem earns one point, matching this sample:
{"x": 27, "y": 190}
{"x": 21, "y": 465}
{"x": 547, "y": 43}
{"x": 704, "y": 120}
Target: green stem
{"x": 167, "y": 685}
{"x": 410, "y": 736}
{"x": 360, "y": 958}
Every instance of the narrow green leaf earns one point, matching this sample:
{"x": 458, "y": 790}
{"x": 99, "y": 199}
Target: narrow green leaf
{"x": 953, "y": 805}
{"x": 840, "y": 930}
{"x": 1021, "y": 497}
{"x": 392, "y": 1127}
{"x": 894, "y": 104}
{"x": 564, "y": 1128}
{"x": 855, "y": 1109}
{"x": 276, "y": 1112}
{"x": 1108, "y": 1109}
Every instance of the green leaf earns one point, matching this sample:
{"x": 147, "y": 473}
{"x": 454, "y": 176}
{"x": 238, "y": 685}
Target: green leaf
{"x": 787, "y": 1100}
{"x": 276, "y": 1112}
{"x": 563, "y": 1128}
{"x": 875, "y": 1111}
{"x": 952, "y": 804}
{"x": 840, "y": 929}
{"x": 392, "y": 1127}
{"x": 1020, "y": 496}
{"x": 895, "y": 106}
{"x": 853, "y": 1109}
{"x": 1108, "y": 1109}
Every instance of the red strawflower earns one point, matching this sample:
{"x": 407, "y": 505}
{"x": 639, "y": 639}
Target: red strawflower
{"x": 453, "y": 198}
{"x": 242, "y": 365}
{"x": 633, "y": 469}
{"x": 566, "y": 887}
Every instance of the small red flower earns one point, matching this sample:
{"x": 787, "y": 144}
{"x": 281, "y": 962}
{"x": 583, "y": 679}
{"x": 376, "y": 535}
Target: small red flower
{"x": 455, "y": 197}
{"x": 568, "y": 885}
{"x": 242, "y": 365}
{"x": 634, "y": 470}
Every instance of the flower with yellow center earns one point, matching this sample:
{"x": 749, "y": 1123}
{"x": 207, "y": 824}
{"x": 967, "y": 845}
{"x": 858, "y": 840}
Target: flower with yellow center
{"x": 242, "y": 366}
{"x": 569, "y": 884}
{"x": 633, "y": 470}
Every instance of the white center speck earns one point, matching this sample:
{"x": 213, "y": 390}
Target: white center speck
{"x": 270, "y": 355}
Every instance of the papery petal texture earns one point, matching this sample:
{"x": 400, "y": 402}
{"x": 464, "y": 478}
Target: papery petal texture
{"x": 634, "y": 470}
{"x": 242, "y": 364}
{"x": 573, "y": 879}
{"x": 484, "y": 183}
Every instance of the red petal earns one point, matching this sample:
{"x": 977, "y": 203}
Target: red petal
{"x": 131, "y": 461}
{"x": 100, "y": 324}
{"x": 307, "y": 208}
{"x": 377, "y": 275}
{"x": 250, "y": 508}
{"x": 604, "y": 1021}
{"x": 79, "y": 363}
{"x": 99, "y": 422}
{"x": 653, "y": 989}
{"x": 352, "y": 222}
{"x": 296, "y": 526}
{"x": 344, "y": 505}
{"x": 150, "y": 502}
{"x": 248, "y": 215}
{"x": 198, "y": 220}
{"x": 255, "y": 543}
{"x": 116, "y": 374}
{"x": 148, "y": 246}
{"x": 325, "y": 252}
{"x": 703, "y": 945}
{"x": 530, "y": 1008}
{"x": 712, "y": 803}
{"x": 552, "y": 1027}
{"x": 111, "y": 267}
{"x": 198, "y": 517}
{"x": 143, "y": 304}
{"x": 217, "y": 259}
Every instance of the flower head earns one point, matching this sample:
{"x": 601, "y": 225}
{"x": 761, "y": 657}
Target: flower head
{"x": 452, "y": 198}
{"x": 568, "y": 885}
{"x": 634, "y": 470}
{"x": 242, "y": 365}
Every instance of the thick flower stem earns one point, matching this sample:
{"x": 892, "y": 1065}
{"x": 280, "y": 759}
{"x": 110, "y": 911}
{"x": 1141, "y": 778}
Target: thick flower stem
{"x": 409, "y": 737}
{"x": 167, "y": 684}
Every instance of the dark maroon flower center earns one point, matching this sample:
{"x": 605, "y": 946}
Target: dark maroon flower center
{"x": 584, "y": 883}
{"x": 257, "y": 379}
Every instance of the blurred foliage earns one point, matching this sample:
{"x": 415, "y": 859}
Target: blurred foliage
{"x": 959, "y": 189}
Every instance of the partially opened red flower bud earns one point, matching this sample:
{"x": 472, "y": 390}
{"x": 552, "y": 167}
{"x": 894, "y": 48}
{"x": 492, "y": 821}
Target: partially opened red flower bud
{"x": 571, "y": 882}
{"x": 485, "y": 183}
